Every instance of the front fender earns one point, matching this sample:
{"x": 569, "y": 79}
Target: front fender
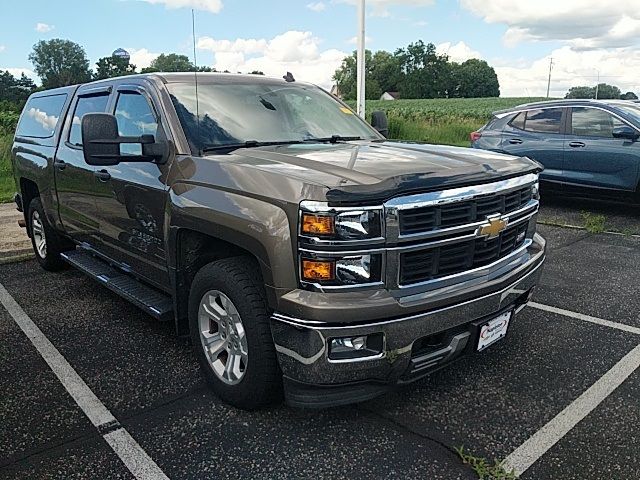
{"x": 261, "y": 228}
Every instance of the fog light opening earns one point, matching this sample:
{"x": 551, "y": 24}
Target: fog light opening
{"x": 360, "y": 346}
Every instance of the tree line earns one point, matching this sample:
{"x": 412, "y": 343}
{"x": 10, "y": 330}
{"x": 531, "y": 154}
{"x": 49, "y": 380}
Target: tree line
{"x": 602, "y": 91}
{"x": 417, "y": 71}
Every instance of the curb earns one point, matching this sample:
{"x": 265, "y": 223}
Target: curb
{"x": 578, "y": 227}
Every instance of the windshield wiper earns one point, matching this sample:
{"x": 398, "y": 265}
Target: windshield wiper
{"x": 332, "y": 139}
{"x": 247, "y": 144}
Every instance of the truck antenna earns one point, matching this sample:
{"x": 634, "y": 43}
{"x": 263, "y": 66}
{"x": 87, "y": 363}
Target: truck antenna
{"x": 195, "y": 74}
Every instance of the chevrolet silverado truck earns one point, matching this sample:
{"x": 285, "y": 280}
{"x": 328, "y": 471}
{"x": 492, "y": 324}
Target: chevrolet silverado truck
{"x": 303, "y": 253}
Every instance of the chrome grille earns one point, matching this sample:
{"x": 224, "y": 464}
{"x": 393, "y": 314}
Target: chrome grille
{"x": 436, "y": 262}
{"x": 424, "y": 219}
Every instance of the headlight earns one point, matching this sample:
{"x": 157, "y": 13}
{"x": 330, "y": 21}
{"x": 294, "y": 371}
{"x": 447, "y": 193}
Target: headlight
{"x": 535, "y": 191}
{"x": 341, "y": 270}
{"x": 323, "y": 222}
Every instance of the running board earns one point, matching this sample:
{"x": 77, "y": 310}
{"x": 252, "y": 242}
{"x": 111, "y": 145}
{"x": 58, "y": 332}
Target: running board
{"x": 155, "y": 303}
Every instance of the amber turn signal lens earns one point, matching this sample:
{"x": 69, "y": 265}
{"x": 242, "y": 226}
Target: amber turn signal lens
{"x": 317, "y": 270}
{"x": 318, "y": 224}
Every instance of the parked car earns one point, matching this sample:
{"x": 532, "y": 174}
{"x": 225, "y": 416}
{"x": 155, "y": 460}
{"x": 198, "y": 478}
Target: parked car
{"x": 298, "y": 248}
{"x": 582, "y": 144}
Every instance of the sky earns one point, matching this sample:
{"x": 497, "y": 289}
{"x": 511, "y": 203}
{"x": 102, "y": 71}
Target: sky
{"x": 587, "y": 39}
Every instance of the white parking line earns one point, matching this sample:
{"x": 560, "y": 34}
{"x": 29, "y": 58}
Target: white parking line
{"x": 526, "y": 454}
{"x": 132, "y": 455}
{"x": 586, "y": 318}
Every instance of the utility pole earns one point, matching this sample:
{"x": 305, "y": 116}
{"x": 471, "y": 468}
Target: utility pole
{"x": 360, "y": 62}
{"x": 549, "y": 81}
{"x": 597, "y": 84}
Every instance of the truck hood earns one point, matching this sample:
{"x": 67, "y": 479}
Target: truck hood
{"x": 358, "y": 172}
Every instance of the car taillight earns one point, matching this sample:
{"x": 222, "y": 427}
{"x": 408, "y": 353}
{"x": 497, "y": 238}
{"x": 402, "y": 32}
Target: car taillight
{"x": 475, "y": 136}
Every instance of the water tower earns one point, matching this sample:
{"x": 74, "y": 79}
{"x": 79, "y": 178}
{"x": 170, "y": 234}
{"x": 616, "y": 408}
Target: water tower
{"x": 121, "y": 53}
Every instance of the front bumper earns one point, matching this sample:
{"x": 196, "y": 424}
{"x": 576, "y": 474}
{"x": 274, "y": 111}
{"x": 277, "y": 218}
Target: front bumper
{"x": 314, "y": 380}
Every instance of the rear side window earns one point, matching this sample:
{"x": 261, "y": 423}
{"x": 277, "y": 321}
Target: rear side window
{"x": 592, "y": 122}
{"x": 518, "y": 121}
{"x": 92, "y": 104}
{"x": 40, "y": 116}
{"x": 543, "y": 120}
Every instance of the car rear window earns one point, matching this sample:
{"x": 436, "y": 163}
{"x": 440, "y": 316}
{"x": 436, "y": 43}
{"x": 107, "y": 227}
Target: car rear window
{"x": 41, "y": 116}
{"x": 543, "y": 120}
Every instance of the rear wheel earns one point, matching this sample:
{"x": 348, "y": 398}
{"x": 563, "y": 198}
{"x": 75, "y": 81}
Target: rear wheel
{"x": 230, "y": 331}
{"x": 45, "y": 241}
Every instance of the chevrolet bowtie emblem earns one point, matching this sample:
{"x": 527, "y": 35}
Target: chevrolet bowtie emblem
{"x": 495, "y": 226}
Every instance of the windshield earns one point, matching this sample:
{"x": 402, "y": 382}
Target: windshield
{"x": 235, "y": 113}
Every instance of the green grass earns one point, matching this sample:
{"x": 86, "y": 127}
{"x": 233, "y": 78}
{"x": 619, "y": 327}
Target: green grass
{"x": 7, "y": 185}
{"x": 484, "y": 469}
{"x": 594, "y": 223}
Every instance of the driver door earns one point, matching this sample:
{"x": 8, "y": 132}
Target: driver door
{"x": 131, "y": 217}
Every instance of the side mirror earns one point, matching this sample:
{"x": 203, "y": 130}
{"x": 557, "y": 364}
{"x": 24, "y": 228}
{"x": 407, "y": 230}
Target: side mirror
{"x": 625, "y": 131}
{"x": 380, "y": 123}
{"x": 101, "y": 142}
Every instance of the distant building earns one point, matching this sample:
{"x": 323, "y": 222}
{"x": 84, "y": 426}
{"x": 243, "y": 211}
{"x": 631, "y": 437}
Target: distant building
{"x": 390, "y": 96}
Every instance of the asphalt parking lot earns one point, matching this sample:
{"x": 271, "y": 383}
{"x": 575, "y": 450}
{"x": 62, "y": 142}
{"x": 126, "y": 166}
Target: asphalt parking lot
{"x": 568, "y": 365}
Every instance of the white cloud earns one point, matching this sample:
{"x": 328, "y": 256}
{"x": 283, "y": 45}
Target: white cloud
{"x": 583, "y": 24}
{"x": 213, "y": 6}
{"x": 141, "y": 57}
{"x": 2, "y": 48}
{"x": 43, "y": 27}
{"x": 617, "y": 66}
{"x": 294, "y": 51}
{"x": 316, "y": 6}
{"x": 458, "y": 52}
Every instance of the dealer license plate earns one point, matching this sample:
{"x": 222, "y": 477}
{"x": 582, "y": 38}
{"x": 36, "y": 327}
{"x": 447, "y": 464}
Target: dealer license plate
{"x": 493, "y": 330}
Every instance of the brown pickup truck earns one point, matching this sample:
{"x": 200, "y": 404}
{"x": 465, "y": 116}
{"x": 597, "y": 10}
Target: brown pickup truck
{"x": 302, "y": 252}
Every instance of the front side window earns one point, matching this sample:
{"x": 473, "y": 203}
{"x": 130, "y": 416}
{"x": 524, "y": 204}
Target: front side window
{"x": 234, "y": 113}
{"x": 40, "y": 116}
{"x": 135, "y": 117}
{"x": 543, "y": 120}
{"x": 90, "y": 104}
{"x": 593, "y": 122}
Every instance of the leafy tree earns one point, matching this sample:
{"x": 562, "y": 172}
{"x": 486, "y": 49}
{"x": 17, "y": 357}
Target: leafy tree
{"x": 605, "y": 91}
{"x": 426, "y": 73}
{"x": 629, "y": 96}
{"x": 474, "y": 78}
{"x": 14, "y": 91}
{"x": 171, "y": 62}
{"x": 581, "y": 92}
{"x": 346, "y": 78}
{"x": 109, "y": 67}
{"x": 256, "y": 72}
{"x": 60, "y": 62}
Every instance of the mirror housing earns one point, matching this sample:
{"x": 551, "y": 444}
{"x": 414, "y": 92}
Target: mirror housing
{"x": 625, "y": 131}
{"x": 380, "y": 123}
{"x": 101, "y": 142}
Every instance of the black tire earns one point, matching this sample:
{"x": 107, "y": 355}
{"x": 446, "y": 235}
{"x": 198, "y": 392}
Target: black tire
{"x": 261, "y": 383}
{"x": 49, "y": 257}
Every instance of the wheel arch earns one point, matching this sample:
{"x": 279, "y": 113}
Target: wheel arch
{"x": 205, "y": 224}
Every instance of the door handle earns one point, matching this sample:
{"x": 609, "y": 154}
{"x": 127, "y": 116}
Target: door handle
{"x": 515, "y": 141}
{"x": 102, "y": 175}
{"x": 576, "y": 144}
{"x": 60, "y": 164}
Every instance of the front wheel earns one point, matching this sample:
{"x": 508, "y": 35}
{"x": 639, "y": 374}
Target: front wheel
{"x": 46, "y": 243}
{"x": 230, "y": 331}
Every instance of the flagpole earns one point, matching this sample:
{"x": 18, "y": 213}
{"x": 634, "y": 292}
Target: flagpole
{"x": 360, "y": 59}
